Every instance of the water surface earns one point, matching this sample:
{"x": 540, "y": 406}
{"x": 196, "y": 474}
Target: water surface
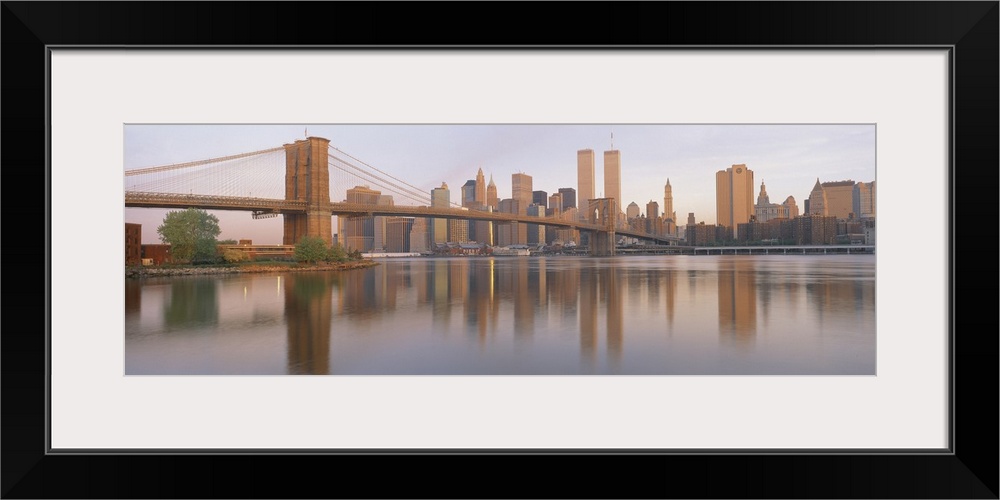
{"x": 634, "y": 315}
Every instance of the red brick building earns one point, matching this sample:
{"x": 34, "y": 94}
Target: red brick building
{"x": 133, "y": 244}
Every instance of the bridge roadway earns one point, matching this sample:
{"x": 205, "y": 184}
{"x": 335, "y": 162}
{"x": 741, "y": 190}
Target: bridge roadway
{"x": 279, "y": 206}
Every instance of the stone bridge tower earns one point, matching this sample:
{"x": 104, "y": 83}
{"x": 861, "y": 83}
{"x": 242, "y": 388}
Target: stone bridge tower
{"x": 603, "y": 211}
{"x": 307, "y": 178}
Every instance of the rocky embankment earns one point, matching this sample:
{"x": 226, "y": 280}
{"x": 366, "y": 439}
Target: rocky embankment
{"x": 153, "y": 272}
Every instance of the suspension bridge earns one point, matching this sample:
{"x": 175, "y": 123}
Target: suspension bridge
{"x": 299, "y": 181}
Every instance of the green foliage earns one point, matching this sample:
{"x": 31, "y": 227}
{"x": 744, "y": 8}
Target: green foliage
{"x": 354, "y": 254}
{"x": 336, "y": 253}
{"x": 232, "y": 256}
{"x": 227, "y": 242}
{"x": 310, "y": 249}
{"x": 191, "y": 234}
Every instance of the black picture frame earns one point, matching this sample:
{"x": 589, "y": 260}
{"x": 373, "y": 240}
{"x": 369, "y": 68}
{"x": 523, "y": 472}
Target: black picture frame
{"x": 969, "y": 470}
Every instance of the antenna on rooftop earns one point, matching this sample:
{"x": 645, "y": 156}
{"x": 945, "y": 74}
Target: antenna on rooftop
{"x": 612, "y": 139}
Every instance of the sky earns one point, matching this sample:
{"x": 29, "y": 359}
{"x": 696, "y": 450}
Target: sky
{"x": 788, "y": 159}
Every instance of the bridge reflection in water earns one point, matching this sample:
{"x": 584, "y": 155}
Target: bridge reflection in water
{"x": 519, "y": 316}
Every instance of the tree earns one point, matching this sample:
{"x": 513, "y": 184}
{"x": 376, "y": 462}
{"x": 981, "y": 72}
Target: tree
{"x": 336, "y": 254}
{"x": 232, "y": 255}
{"x": 191, "y": 234}
{"x": 310, "y": 249}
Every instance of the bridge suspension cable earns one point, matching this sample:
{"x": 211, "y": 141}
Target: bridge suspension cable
{"x": 257, "y": 174}
{"x": 411, "y": 194}
{"x": 175, "y": 166}
{"x": 407, "y": 184}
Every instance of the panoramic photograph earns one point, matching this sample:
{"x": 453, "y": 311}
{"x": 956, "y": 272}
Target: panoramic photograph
{"x": 500, "y": 249}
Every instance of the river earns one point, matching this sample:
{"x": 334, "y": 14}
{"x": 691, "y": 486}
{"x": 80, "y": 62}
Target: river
{"x": 633, "y": 315}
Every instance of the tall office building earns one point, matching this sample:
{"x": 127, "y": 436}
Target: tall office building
{"x": 384, "y": 200}
{"x": 654, "y": 224}
{"x": 540, "y": 198}
{"x": 458, "y": 230}
{"x": 535, "y": 233}
{"x": 668, "y": 202}
{"x": 440, "y": 198}
{"x": 839, "y": 198}
{"x": 568, "y": 198}
{"x": 652, "y": 210}
{"x": 492, "y": 200}
{"x": 816, "y": 204}
{"x": 585, "y": 178}
{"x": 480, "y": 188}
{"x": 613, "y": 177}
{"x": 397, "y": 233}
{"x": 632, "y": 211}
{"x": 469, "y": 194}
{"x": 555, "y": 204}
{"x": 521, "y": 190}
{"x": 358, "y": 233}
{"x": 419, "y": 235}
{"x": 733, "y": 196}
{"x": 864, "y": 200}
{"x": 512, "y": 233}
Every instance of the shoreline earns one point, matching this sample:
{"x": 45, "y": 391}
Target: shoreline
{"x": 139, "y": 272}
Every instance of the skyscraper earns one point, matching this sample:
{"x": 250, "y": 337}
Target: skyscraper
{"x": 864, "y": 200}
{"x": 540, "y": 198}
{"x": 668, "y": 202}
{"x": 568, "y": 198}
{"x": 555, "y": 204}
{"x": 585, "y": 177}
{"x": 440, "y": 198}
{"x": 418, "y": 235}
{"x": 654, "y": 224}
{"x": 380, "y": 223}
{"x": 397, "y": 233}
{"x": 480, "y": 188}
{"x": 613, "y": 177}
{"x": 521, "y": 190}
{"x": 816, "y": 204}
{"x": 492, "y": 200}
{"x": 652, "y": 210}
{"x": 469, "y": 194}
{"x": 358, "y": 233}
{"x": 632, "y": 211}
{"x": 839, "y": 198}
{"x": 733, "y": 196}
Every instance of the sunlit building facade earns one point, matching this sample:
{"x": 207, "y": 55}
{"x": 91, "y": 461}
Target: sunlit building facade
{"x": 585, "y": 178}
{"x": 440, "y": 198}
{"x": 733, "y": 196}
{"x": 613, "y": 177}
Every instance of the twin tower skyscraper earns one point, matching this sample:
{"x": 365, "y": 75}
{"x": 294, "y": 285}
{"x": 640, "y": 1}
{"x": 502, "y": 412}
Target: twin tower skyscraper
{"x": 585, "y": 164}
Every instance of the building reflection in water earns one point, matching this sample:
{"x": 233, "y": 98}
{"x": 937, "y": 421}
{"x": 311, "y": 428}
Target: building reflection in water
{"x": 359, "y": 295}
{"x": 440, "y": 305}
{"x": 611, "y": 296}
{"x": 588, "y": 314}
{"x": 193, "y": 302}
{"x": 480, "y": 309}
{"x": 308, "y": 315}
{"x": 842, "y": 297}
{"x": 524, "y": 300}
{"x": 737, "y": 300}
{"x": 670, "y": 283}
{"x": 133, "y": 296}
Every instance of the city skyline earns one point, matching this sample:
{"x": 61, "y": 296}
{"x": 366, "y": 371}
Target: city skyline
{"x": 788, "y": 158}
